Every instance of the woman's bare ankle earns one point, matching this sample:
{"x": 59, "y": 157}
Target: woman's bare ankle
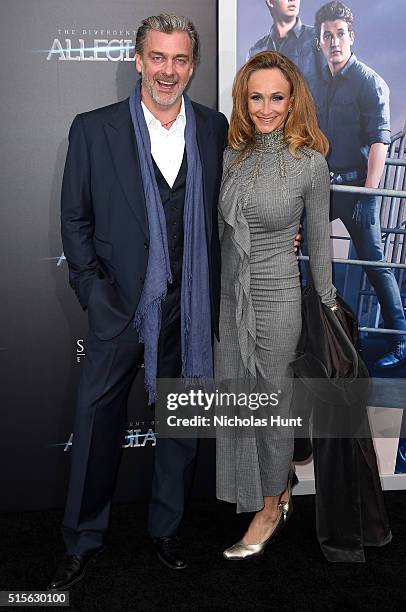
{"x": 260, "y": 527}
{"x": 270, "y": 514}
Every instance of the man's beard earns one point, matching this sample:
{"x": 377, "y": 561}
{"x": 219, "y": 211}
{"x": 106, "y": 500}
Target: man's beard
{"x": 161, "y": 99}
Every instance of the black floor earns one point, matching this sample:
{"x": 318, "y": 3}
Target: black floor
{"x": 292, "y": 575}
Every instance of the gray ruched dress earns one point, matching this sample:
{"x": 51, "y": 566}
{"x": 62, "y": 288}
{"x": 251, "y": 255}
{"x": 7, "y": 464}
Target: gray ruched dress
{"x": 262, "y": 198}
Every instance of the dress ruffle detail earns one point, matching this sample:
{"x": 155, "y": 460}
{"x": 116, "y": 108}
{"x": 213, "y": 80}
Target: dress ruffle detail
{"x": 231, "y": 204}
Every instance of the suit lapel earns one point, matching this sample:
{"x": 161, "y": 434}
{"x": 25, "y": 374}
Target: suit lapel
{"x": 120, "y": 136}
{"x": 209, "y": 166}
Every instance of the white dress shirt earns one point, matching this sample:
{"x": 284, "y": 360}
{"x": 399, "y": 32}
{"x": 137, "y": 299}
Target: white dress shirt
{"x": 167, "y": 146}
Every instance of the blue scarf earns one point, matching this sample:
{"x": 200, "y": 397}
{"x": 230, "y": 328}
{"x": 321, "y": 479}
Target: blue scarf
{"x": 196, "y": 344}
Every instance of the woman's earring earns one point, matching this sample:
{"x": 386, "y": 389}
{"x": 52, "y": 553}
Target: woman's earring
{"x": 290, "y": 109}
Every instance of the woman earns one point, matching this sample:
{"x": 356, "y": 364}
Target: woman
{"x": 274, "y": 168}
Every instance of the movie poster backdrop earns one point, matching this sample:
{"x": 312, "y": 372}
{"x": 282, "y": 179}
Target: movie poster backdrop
{"x": 379, "y": 43}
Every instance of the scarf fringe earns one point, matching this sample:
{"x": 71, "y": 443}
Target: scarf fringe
{"x": 139, "y": 317}
{"x": 203, "y": 382}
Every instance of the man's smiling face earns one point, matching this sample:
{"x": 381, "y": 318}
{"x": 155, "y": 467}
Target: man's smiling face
{"x": 165, "y": 66}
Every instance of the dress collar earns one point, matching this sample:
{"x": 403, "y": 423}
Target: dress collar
{"x": 272, "y": 141}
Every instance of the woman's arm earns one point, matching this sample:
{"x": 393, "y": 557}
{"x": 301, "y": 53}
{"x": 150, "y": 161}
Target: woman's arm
{"x": 317, "y": 205}
{"x": 227, "y": 157}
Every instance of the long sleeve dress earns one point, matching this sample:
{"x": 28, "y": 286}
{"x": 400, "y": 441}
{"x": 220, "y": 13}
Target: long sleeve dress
{"x": 262, "y": 198}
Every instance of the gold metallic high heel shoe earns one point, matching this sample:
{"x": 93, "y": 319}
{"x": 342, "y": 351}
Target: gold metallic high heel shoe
{"x": 240, "y": 551}
{"x": 287, "y": 505}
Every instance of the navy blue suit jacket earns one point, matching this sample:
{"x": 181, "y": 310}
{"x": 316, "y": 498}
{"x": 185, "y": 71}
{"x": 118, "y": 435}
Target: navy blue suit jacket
{"x": 104, "y": 219}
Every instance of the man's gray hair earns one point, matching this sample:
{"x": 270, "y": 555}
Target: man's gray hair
{"x": 168, "y": 24}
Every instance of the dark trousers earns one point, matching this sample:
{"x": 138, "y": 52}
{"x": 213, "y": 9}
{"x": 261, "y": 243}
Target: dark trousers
{"x": 368, "y": 244}
{"x": 108, "y": 373}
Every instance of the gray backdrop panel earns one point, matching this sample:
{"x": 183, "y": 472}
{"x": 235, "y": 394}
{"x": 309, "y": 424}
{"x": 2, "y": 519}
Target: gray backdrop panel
{"x": 41, "y": 321}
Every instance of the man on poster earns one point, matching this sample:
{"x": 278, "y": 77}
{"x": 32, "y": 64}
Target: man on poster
{"x": 292, "y": 38}
{"x": 139, "y": 216}
{"x": 353, "y": 110}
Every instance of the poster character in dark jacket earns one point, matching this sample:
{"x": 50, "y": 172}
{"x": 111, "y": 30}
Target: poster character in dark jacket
{"x": 292, "y": 38}
{"x": 353, "y": 112}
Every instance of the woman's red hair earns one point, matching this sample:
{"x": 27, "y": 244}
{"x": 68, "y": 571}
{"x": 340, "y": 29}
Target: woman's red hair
{"x": 301, "y": 127}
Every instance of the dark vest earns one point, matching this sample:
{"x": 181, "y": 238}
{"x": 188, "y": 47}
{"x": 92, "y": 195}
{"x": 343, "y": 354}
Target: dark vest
{"x": 173, "y": 202}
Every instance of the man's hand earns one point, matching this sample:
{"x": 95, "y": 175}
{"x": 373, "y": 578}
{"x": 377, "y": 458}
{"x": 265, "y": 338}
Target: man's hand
{"x": 297, "y": 241}
{"x": 365, "y": 211}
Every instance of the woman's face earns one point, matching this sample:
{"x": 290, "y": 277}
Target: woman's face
{"x": 269, "y": 98}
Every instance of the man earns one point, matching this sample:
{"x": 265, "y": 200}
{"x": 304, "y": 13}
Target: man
{"x": 292, "y": 38}
{"x": 140, "y": 176}
{"x": 353, "y": 107}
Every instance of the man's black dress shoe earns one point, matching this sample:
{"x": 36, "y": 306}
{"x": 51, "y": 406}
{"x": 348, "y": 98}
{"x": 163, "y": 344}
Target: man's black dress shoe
{"x": 170, "y": 552}
{"x": 396, "y": 357}
{"x": 71, "y": 569}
